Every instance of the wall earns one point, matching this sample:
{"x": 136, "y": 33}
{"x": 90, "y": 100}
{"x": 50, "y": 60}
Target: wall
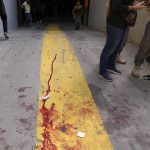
{"x": 11, "y": 8}
{"x": 97, "y": 15}
{"x": 97, "y": 20}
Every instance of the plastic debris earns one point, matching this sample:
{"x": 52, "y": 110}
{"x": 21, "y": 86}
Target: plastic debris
{"x": 45, "y": 97}
{"x": 81, "y": 134}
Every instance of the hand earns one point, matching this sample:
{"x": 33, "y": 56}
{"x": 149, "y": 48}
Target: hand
{"x": 140, "y": 6}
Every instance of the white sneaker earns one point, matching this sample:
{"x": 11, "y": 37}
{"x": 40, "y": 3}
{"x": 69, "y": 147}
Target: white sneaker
{"x": 136, "y": 71}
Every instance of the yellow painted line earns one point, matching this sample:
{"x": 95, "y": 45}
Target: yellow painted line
{"x": 66, "y": 106}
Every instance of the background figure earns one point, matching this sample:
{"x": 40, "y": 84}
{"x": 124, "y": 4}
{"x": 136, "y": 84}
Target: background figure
{"x": 77, "y": 14}
{"x": 55, "y": 7}
{"x": 39, "y": 11}
{"x": 3, "y": 16}
{"x": 27, "y": 10}
{"x": 144, "y": 51}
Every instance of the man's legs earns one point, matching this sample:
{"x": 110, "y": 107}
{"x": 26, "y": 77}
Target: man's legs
{"x": 113, "y": 57}
{"x": 114, "y": 38}
{"x": 144, "y": 51}
{"x": 30, "y": 19}
{"x": 119, "y": 60}
{"x": 77, "y": 22}
{"x": 5, "y": 25}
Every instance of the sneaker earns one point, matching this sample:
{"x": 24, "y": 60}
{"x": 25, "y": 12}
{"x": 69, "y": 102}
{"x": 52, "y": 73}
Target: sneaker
{"x": 106, "y": 77}
{"x": 114, "y": 70}
{"x": 136, "y": 71}
{"x": 6, "y": 36}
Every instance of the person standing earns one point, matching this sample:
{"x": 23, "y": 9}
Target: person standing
{"x": 3, "y": 16}
{"x": 116, "y": 29}
{"x": 77, "y": 14}
{"x": 27, "y": 10}
{"x": 143, "y": 52}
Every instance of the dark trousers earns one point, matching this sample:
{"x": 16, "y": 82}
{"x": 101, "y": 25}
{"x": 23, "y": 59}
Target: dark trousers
{"x": 77, "y": 21}
{"x": 4, "y": 21}
{"x": 28, "y": 19}
{"x": 144, "y": 49}
{"x": 113, "y": 45}
{"x": 125, "y": 39}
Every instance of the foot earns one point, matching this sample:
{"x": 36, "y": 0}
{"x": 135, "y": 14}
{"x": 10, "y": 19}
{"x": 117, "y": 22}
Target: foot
{"x": 114, "y": 70}
{"x": 6, "y": 36}
{"x": 120, "y": 61}
{"x": 106, "y": 77}
{"x": 136, "y": 71}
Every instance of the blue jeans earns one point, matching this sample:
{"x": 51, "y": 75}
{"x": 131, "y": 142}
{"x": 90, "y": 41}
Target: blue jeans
{"x": 113, "y": 45}
{"x": 124, "y": 39}
{"x": 28, "y": 19}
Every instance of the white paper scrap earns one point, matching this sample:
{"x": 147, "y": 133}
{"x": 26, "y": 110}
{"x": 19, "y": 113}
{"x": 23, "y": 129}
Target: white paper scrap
{"x": 45, "y": 97}
{"x": 81, "y": 134}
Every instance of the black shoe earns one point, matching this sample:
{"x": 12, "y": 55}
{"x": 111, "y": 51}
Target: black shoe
{"x": 106, "y": 77}
{"x": 6, "y": 36}
{"x": 114, "y": 70}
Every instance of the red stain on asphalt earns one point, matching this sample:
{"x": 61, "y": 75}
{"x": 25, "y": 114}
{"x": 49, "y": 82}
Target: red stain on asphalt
{"x": 66, "y": 94}
{"x": 77, "y": 146}
{"x": 52, "y": 69}
{"x": 70, "y": 107}
{"x": 22, "y": 89}
{"x": 21, "y": 96}
{"x": 121, "y": 119}
{"x": 26, "y": 123}
{"x": 49, "y": 116}
{"x": 2, "y": 131}
{"x": 27, "y": 107}
{"x": 50, "y": 125}
{"x": 86, "y": 111}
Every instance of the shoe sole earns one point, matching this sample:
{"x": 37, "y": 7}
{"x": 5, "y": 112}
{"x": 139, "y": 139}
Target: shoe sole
{"x": 111, "y": 71}
{"x": 105, "y": 79}
{"x": 122, "y": 63}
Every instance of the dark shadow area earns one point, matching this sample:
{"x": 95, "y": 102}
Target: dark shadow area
{"x": 48, "y": 11}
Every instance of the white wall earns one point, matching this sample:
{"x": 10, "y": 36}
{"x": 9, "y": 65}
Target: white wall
{"x": 97, "y": 20}
{"x": 11, "y": 9}
{"x": 97, "y": 14}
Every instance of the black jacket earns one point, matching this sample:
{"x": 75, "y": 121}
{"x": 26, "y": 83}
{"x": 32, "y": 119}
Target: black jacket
{"x": 118, "y": 9}
{"x": 2, "y": 8}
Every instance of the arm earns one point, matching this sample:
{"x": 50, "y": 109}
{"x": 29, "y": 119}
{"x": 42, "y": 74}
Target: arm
{"x": 118, "y": 7}
{"x": 73, "y": 10}
{"x": 138, "y": 6}
{"x": 82, "y": 10}
{"x": 23, "y": 5}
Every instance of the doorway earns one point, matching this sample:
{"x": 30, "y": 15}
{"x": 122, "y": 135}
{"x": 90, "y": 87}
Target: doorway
{"x": 49, "y": 10}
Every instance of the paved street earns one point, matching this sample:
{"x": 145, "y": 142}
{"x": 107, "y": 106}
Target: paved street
{"x": 123, "y": 105}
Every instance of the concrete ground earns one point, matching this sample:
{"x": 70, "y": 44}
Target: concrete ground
{"x": 123, "y": 104}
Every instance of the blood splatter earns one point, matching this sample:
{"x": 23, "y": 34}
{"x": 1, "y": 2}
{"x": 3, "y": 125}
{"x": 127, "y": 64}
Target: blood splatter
{"x": 2, "y": 131}
{"x": 21, "y": 96}
{"x": 27, "y": 107}
{"x": 77, "y": 146}
{"x": 22, "y": 89}
{"x": 52, "y": 69}
{"x": 49, "y": 115}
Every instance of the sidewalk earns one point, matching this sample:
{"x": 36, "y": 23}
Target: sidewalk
{"x": 124, "y": 105}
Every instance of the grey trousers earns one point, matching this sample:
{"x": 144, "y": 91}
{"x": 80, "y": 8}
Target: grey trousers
{"x": 144, "y": 49}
